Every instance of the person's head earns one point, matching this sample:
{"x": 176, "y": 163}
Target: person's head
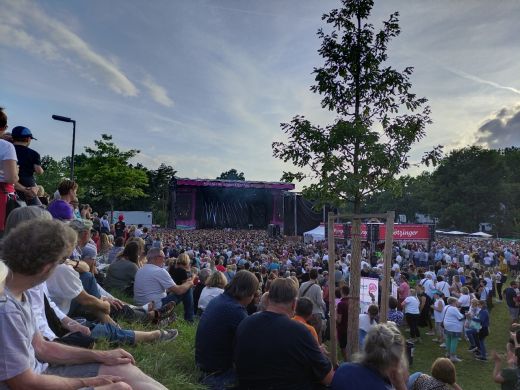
{"x": 243, "y": 287}
{"x": 217, "y": 279}
{"x": 283, "y": 292}
{"x": 204, "y": 273}
{"x": 413, "y": 293}
{"x": 464, "y": 290}
{"x": 452, "y": 301}
{"x": 304, "y": 307}
{"x": 22, "y": 214}
{"x": 474, "y": 302}
{"x": 3, "y": 121}
{"x": 313, "y": 274}
{"x": 440, "y": 278}
{"x": 444, "y": 370}
{"x": 393, "y": 303}
{"x": 82, "y": 228}
{"x": 131, "y": 252}
{"x": 35, "y": 247}
{"x": 41, "y": 191}
{"x": 345, "y": 290}
{"x": 373, "y": 311}
{"x": 155, "y": 256}
{"x": 383, "y": 348}
{"x": 119, "y": 242}
{"x": 68, "y": 187}
{"x": 183, "y": 260}
{"x": 513, "y": 284}
{"x": 482, "y": 304}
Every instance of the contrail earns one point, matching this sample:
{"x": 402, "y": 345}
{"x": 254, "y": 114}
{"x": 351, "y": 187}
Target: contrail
{"x": 482, "y": 81}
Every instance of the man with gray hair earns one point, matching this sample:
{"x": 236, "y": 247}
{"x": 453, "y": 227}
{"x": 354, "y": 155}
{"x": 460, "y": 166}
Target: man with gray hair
{"x": 153, "y": 283}
{"x": 291, "y": 359}
{"x": 32, "y": 251}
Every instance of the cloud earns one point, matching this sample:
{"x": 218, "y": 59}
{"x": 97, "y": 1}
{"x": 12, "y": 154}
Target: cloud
{"x": 157, "y": 92}
{"x": 58, "y": 42}
{"x": 502, "y": 130}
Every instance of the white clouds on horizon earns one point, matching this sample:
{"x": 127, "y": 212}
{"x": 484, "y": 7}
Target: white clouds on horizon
{"x": 157, "y": 92}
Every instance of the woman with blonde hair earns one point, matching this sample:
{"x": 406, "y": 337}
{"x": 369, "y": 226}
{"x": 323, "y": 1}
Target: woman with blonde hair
{"x": 3, "y": 275}
{"x": 381, "y": 363}
{"x": 214, "y": 287}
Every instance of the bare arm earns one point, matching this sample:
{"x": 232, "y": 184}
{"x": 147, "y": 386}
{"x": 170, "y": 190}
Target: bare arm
{"x": 93, "y": 303}
{"x": 328, "y": 378}
{"x": 181, "y": 289}
{"x": 10, "y": 168}
{"x": 30, "y": 380}
{"x": 38, "y": 169}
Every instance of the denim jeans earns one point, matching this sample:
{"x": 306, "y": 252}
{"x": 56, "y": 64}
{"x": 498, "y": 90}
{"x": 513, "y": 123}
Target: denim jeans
{"x": 112, "y": 333}
{"x": 187, "y": 301}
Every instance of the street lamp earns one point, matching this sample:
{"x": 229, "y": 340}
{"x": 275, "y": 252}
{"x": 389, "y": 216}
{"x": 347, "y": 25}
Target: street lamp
{"x": 65, "y": 119}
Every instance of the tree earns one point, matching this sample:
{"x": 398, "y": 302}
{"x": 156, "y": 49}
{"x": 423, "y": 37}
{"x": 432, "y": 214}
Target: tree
{"x": 232, "y": 174}
{"x": 159, "y": 191}
{"x": 53, "y": 173}
{"x": 378, "y": 119}
{"x": 106, "y": 173}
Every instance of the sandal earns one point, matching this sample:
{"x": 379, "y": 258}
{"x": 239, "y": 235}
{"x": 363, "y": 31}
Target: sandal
{"x": 168, "y": 335}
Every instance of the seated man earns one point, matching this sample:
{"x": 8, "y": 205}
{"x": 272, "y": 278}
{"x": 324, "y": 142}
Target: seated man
{"x": 291, "y": 359}
{"x": 32, "y": 251}
{"x": 217, "y": 328}
{"x": 154, "y": 284}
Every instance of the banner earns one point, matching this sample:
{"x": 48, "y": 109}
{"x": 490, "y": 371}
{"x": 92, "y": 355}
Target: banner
{"x": 402, "y": 232}
{"x": 367, "y": 286}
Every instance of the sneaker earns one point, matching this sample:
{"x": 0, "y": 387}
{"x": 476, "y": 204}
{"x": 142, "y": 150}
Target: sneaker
{"x": 455, "y": 359}
{"x": 471, "y": 348}
{"x": 168, "y": 335}
{"x": 430, "y": 333}
{"x": 481, "y": 359}
{"x": 443, "y": 345}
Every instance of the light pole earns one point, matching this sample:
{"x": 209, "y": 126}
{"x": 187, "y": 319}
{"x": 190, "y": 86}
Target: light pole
{"x": 65, "y": 119}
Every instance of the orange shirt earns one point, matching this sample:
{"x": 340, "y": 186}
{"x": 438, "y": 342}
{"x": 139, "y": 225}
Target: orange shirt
{"x": 311, "y": 328}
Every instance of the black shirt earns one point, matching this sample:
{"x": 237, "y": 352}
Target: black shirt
{"x": 510, "y": 294}
{"x": 274, "y": 352}
{"x": 27, "y": 159}
{"x": 120, "y": 228}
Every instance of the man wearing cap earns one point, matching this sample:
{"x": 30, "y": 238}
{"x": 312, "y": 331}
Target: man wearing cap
{"x": 29, "y": 164}
{"x": 120, "y": 226}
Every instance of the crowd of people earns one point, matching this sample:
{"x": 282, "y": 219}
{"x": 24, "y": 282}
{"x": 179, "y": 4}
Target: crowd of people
{"x": 260, "y": 304}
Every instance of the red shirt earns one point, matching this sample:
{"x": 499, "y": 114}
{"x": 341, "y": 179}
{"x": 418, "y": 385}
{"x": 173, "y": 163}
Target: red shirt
{"x": 342, "y": 310}
{"x": 220, "y": 268}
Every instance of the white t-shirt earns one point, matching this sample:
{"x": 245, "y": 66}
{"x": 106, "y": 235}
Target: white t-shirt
{"x": 7, "y": 152}
{"x": 438, "y": 315}
{"x": 429, "y": 286}
{"x": 151, "y": 283}
{"x": 207, "y": 294}
{"x": 444, "y": 287}
{"x": 464, "y": 300}
{"x": 64, "y": 285}
{"x": 36, "y": 297}
{"x": 411, "y": 305}
{"x": 364, "y": 322}
{"x": 453, "y": 319}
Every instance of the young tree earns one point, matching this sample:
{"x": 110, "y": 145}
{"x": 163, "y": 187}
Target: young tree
{"x": 106, "y": 173}
{"x": 232, "y": 174}
{"x": 378, "y": 119}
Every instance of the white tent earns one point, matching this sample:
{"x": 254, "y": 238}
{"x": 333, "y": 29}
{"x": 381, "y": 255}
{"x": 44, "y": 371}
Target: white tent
{"x": 481, "y": 234}
{"x": 455, "y": 233}
{"x": 316, "y": 234}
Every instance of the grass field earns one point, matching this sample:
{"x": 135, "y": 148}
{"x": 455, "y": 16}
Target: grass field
{"x": 173, "y": 363}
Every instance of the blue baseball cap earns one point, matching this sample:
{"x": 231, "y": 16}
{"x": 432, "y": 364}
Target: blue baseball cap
{"x": 21, "y": 132}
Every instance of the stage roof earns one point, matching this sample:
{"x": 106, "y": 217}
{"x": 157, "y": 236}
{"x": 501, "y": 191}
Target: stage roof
{"x": 234, "y": 184}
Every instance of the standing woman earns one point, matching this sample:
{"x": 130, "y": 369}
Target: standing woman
{"x": 411, "y": 312}
{"x": 8, "y": 170}
{"x": 453, "y": 322}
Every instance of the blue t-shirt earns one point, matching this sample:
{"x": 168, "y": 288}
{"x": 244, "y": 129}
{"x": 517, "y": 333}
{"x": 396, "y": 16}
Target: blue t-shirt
{"x": 352, "y": 376}
{"x": 216, "y": 332}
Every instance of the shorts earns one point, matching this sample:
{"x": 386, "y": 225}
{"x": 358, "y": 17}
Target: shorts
{"x": 87, "y": 370}
{"x": 513, "y": 312}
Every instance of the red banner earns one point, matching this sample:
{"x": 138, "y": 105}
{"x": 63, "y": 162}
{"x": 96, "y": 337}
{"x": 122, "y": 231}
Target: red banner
{"x": 402, "y": 232}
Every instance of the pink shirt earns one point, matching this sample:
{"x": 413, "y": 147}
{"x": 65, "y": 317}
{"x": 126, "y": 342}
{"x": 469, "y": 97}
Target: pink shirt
{"x": 404, "y": 291}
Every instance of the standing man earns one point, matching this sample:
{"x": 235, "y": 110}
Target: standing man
{"x": 120, "y": 226}
{"x": 32, "y": 251}
{"x": 511, "y": 301}
{"x": 291, "y": 358}
{"x": 312, "y": 290}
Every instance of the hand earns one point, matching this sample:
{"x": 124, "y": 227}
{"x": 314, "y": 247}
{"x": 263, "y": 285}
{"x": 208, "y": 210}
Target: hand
{"x": 114, "y": 302}
{"x": 75, "y": 326}
{"x": 116, "y": 357}
{"x": 101, "y": 380}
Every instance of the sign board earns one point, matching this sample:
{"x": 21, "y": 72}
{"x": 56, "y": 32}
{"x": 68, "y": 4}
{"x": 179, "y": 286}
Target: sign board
{"x": 367, "y": 286}
{"x": 402, "y": 232}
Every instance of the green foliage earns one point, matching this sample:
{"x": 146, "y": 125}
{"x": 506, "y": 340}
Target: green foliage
{"x": 53, "y": 173}
{"x": 107, "y": 174}
{"x": 378, "y": 118}
{"x": 232, "y": 174}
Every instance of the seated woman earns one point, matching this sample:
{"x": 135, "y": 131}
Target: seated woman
{"x": 214, "y": 287}
{"x": 121, "y": 273}
{"x": 380, "y": 366}
{"x": 443, "y": 377}
{"x": 180, "y": 270}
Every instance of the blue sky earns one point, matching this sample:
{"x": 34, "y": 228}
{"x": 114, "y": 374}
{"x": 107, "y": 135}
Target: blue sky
{"x": 203, "y": 85}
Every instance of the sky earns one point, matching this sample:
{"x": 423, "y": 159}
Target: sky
{"x": 203, "y": 85}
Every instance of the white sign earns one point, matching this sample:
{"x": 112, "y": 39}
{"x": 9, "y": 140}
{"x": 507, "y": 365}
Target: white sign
{"x": 368, "y": 286}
